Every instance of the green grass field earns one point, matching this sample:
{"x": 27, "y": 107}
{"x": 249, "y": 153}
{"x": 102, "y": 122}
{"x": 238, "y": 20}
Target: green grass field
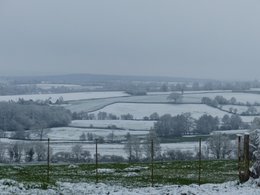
{"x": 137, "y": 174}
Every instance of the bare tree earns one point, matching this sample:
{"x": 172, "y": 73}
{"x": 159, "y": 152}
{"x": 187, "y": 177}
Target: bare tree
{"x": 175, "y": 97}
{"x": 133, "y": 148}
{"x": 40, "y": 151}
{"x": 29, "y": 153}
{"x": 2, "y": 151}
{"x": 219, "y": 146}
{"x": 15, "y": 151}
{"x": 128, "y": 147}
{"x": 77, "y": 151}
{"x": 83, "y": 137}
{"x": 146, "y": 146}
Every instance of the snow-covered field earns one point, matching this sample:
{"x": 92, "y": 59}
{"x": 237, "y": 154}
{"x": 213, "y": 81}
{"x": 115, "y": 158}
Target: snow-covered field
{"x": 51, "y": 85}
{"x": 118, "y": 149}
{"x": 232, "y": 132}
{"x": 72, "y": 133}
{"x": 8, "y": 187}
{"x": 240, "y": 109}
{"x": 240, "y": 97}
{"x": 108, "y": 149}
{"x": 96, "y": 104}
{"x": 141, "y": 110}
{"x": 123, "y": 124}
{"x": 189, "y": 92}
{"x": 66, "y": 96}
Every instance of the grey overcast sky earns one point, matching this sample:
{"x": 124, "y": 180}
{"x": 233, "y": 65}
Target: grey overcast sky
{"x": 185, "y": 38}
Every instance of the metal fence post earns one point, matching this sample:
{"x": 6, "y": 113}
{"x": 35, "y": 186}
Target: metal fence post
{"x": 96, "y": 140}
{"x": 199, "y": 161}
{"x": 48, "y": 161}
{"x": 152, "y": 163}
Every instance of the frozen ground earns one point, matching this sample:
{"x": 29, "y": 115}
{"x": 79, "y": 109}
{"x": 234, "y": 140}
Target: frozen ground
{"x": 232, "y": 132}
{"x": 106, "y": 148}
{"x": 240, "y": 109}
{"x": 8, "y": 187}
{"x": 74, "y": 133}
{"x": 240, "y": 97}
{"x": 124, "y": 124}
{"x": 66, "y": 96}
{"x": 141, "y": 110}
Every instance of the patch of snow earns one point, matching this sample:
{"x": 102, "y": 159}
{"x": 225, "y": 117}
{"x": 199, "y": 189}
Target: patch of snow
{"x": 106, "y": 171}
{"x": 124, "y": 124}
{"x": 8, "y": 187}
{"x": 66, "y": 96}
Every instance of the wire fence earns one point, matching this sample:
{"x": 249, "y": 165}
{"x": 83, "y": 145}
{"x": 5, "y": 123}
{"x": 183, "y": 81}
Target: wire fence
{"x": 104, "y": 162}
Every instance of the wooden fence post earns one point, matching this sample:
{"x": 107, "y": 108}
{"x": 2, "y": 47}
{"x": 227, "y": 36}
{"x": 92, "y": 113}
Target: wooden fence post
{"x": 245, "y": 174}
{"x": 246, "y": 156}
{"x": 239, "y": 156}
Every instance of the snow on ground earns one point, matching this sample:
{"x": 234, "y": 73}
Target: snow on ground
{"x": 240, "y": 97}
{"x": 66, "y": 96}
{"x": 240, "y": 109}
{"x": 8, "y": 187}
{"x": 51, "y": 85}
{"x": 96, "y": 104}
{"x": 118, "y": 149}
{"x": 141, "y": 110}
{"x": 188, "y": 92}
{"x": 106, "y": 148}
{"x": 124, "y": 124}
{"x": 232, "y": 132}
{"x": 71, "y": 133}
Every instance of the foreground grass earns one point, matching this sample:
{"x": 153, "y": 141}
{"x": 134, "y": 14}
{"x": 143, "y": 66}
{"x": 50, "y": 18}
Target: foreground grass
{"x": 178, "y": 172}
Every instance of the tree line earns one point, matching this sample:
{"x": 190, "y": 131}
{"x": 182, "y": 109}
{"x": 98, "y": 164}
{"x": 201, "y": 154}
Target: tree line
{"x": 20, "y": 117}
{"x": 179, "y": 125}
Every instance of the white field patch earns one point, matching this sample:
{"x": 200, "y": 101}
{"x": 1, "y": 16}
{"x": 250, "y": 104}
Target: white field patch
{"x": 96, "y": 104}
{"x": 240, "y": 97}
{"x": 141, "y": 110}
{"x": 66, "y": 96}
{"x": 240, "y": 109}
{"x": 47, "y": 86}
{"x": 189, "y": 92}
{"x": 118, "y": 149}
{"x": 106, "y": 148}
{"x": 72, "y": 133}
{"x": 122, "y": 124}
{"x": 232, "y": 132}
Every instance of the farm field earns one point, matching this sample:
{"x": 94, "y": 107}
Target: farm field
{"x": 104, "y": 148}
{"x": 66, "y": 96}
{"x": 118, "y": 149}
{"x": 240, "y": 97}
{"x": 126, "y": 174}
{"x": 73, "y": 133}
{"x": 240, "y": 109}
{"x": 122, "y": 124}
{"x": 232, "y": 132}
{"x": 96, "y": 104}
{"x": 141, "y": 110}
{"x": 51, "y": 85}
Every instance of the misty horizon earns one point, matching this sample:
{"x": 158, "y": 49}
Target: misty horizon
{"x": 201, "y": 40}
